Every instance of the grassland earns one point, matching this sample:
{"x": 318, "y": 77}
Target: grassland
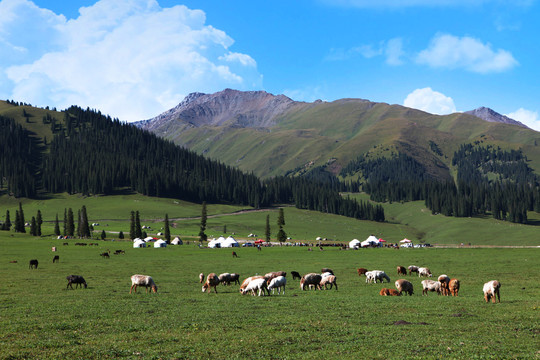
{"x": 40, "y": 319}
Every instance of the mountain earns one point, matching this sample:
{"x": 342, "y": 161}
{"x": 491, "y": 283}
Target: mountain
{"x": 490, "y": 115}
{"x": 273, "y": 135}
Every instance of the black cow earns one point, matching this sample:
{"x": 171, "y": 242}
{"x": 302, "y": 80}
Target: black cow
{"x": 77, "y": 280}
{"x": 33, "y": 264}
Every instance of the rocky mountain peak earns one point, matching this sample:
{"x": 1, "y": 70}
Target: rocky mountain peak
{"x": 490, "y": 115}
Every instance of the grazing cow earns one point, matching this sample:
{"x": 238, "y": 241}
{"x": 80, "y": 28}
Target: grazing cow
{"x": 425, "y": 272}
{"x": 234, "y": 255}
{"x": 277, "y": 283}
{"x": 403, "y": 285}
{"x": 401, "y": 270}
{"x": 117, "y": 252}
{"x": 33, "y": 264}
{"x": 389, "y": 292}
{"x": 328, "y": 280}
{"x": 212, "y": 281}
{"x": 413, "y": 268}
{"x": 105, "y": 255}
{"x": 77, "y": 280}
{"x": 295, "y": 275}
{"x": 56, "y": 258}
{"x": 431, "y": 285}
{"x": 491, "y": 291}
{"x": 445, "y": 282}
{"x": 142, "y": 280}
{"x": 361, "y": 271}
{"x": 327, "y": 270}
{"x": 310, "y": 280}
{"x": 453, "y": 287}
{"x": 201, "y": 278}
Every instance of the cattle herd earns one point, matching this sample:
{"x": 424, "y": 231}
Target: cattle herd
{"x": 272, "y": 281}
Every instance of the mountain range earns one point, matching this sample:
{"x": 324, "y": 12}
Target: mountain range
{"x": 272, "y": 135}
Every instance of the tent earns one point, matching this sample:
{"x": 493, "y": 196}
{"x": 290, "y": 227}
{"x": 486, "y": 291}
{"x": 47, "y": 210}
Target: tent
{"x": 382, "y": 240}
{"x": 149, "y": 238}
{"x": 214, "y": 243}
{"x": 177, "y": 241}
{"x": 354, "y": 244}
{"x": 229, "y": 242}
{"x": 259, "y": 241}
{"x": 405, "y": 241}
{"x": 137, "y": 239}
{"x": 370, "y": 241}
{"x": 139, "y": 244}
{"x": 160, "y": 244}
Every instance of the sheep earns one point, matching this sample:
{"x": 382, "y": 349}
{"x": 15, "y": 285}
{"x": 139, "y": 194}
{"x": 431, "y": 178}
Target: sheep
{"x": 491, "y": 291}
{"x": 235, "y": 278}
{"x": 326, "y": 274}
{"x": 361, "y": 271}
{"x": 404, "y": 285}
{"x": 389, "y": 292}
{"x": 328, "y": 280}
{"x": 77, "y": 280}
{"x": 277, "y": 282}
{"x": 325, "y": 270}
{"x": 269, "y": 276}
{"x": 311, "y": 279}
{"x": 431, "y": 285}
{"x": 401, "y": 270}
{"x": 33, "y": 264}
{"x": 374, "y": 275}
{"x": 444, "y": 280}
{"x": 201, "y": 278}
{"x": 256, "y": 284}
{"x": 56, "y": 258}
{"x": 246, "y": 282}
{"x": 225, "y": 278}
{"x": 424, "y": 271}
{"x": 453, "y": 287}
{"x": 413, "y": 268}
{"x": 142, "y": 280}
{"x": 212, "y": 280}
{"x": 295, "y": 275}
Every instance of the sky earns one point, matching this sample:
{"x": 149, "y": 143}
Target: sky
{"x": 133, "y": 59}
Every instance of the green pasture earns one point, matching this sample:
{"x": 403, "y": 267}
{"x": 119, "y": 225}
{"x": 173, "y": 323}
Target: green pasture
{"x": 40, "y": 319}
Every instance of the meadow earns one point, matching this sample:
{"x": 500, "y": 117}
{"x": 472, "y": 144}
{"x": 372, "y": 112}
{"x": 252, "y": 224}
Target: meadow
{"x": 41, "y": 319}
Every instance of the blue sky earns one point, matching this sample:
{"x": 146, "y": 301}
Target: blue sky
{"x": 134, "y": 59}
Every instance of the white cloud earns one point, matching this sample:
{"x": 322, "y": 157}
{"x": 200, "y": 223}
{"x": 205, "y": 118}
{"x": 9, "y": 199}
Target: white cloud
{"x": 391, "y": 49}
{"x": 394, "y": 52}
{"x": 527, "y": 117}
{"x": 419, "y": 3}
{"x": 131, "y": 59}
{"x": 430, "y": 101}
{"x": 448, "y": 51}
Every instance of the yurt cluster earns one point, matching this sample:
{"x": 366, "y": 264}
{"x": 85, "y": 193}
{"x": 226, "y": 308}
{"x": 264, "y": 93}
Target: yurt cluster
{"x": 158, "y": 243}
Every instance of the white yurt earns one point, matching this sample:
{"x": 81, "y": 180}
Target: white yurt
{"x": 370, "y": 241}
{"x": 149, "y": 238}
{"x": 355, "y": 243}
{"x": 214, "y": 243}
{"x": 139, "y": 244}
{"x": 160, "y": 243}
{"x": 177, "y": 241}
{"x": 137, "y": 239}
{"x": 229, "y": 242}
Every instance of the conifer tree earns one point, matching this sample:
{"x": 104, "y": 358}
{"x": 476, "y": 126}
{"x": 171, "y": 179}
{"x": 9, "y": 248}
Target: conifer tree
{"x": 56, "y": 226}
{"x": 79, "y": 235}
{"x": 85, "y": 227}
{"x": 65, "y": 222}
{"x": 17, "y": 221}
{"x": 7, "y": 223}
{"x": 39, "y": 221}
{"x": 121, "y": 235}
{"x": 281, "y": 235}
{"x": 132, "y": 231}
{"x": 202, "y": 234}
{"x": 70, "y": 227}
{"x": 267, "y": 229}
{"x": 138, "y": 229}
{"x": 21, "y": 220}
{"x": 103, "y": 234}
{"x": 33, "y": 226}
{"x": 166, "y": 230}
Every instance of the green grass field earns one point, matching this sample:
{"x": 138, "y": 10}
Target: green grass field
{"x": 40, "y": 319}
